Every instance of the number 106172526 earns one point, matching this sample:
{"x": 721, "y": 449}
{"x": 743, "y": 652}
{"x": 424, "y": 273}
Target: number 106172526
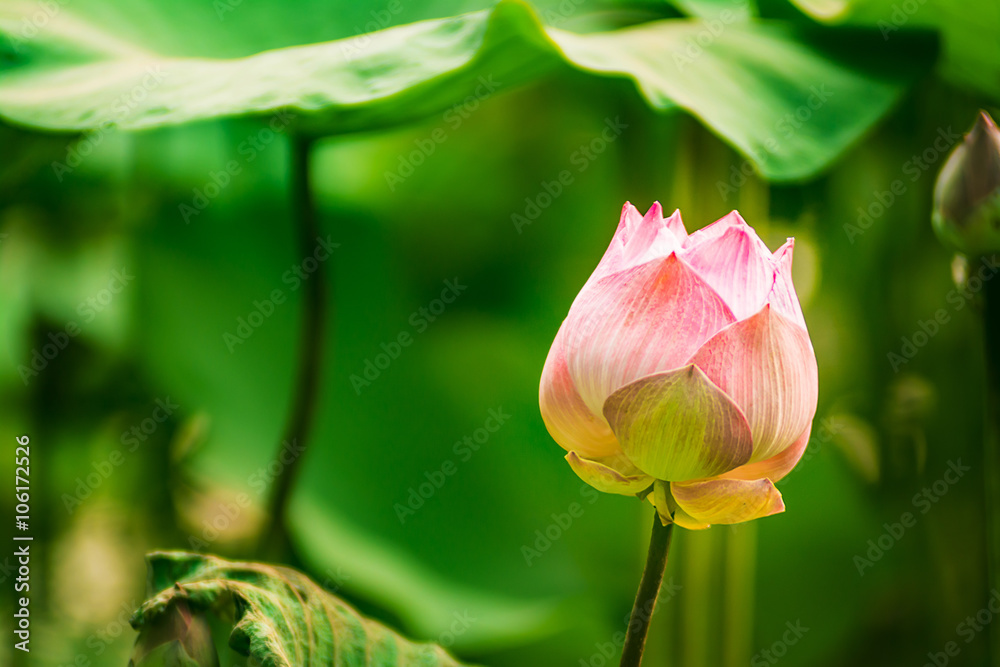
{"x": 22, "y": 462}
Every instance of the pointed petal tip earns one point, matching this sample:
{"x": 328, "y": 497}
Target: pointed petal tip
{"x": 676, "y": 224}
{"x": 655, "y": 212}
{"x": 983, "y": 130}
{"x": 984, "y": 121}
{"x": 732, "y": 219}
{"x": 629, "y": 211}
{"x": 783, "y": 257}
{"x": 778, "y": 504}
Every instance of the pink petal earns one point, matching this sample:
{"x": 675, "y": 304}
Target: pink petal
{"x": 776, "y": 467}
{"x": 676, "y": 226}
{"x": 646, "y": 319}
{"x": 678, "y": 426}
{"x": 644, "y": 237}
{"x": 568, "y": 419}
{"x": 733, "y": 260}
{"x": 655, "y": 238}
{"x": 654, "y": 214}
{"x": 766, "y": 365}
{"x": 727, "y": 501}
{"x": 783, "y": 296}
{"x": 629, "y": 223}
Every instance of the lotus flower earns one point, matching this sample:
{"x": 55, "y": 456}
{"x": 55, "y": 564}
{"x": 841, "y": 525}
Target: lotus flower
{"x": 684, "y": 372}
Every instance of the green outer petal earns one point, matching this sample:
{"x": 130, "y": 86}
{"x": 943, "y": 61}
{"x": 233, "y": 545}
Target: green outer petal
{"x": 678, "y": 425}
{"x": 604, "y": 477}
{"x": 668, "y": 510}
{"x": 728, "y": 501}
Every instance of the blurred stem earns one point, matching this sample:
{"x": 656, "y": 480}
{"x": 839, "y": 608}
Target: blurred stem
{"x": 700, "y": 608}
{"x": 645, "y": 597}
{"x": 274, "y": 536}
{"x": 741, "y": 563}
{"x": 991, "y": 441}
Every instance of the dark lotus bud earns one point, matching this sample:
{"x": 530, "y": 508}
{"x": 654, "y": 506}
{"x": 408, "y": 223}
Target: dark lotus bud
{"x": 176, "y": 638}
{"x": 967, "y": 194}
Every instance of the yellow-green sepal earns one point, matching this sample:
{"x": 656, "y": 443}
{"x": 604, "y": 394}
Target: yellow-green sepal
{"x": 668, "y": 509}
{"x": 614, "y": 474}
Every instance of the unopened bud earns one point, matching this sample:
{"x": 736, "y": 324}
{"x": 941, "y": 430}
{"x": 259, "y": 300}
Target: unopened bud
{"x": 967, "y": 193}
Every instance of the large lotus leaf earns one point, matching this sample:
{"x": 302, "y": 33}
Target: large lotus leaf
{"x": 788, "y": 105}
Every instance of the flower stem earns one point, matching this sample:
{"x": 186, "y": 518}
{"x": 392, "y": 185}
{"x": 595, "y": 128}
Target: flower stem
{"x": 273, "y": 537}
{"x": 991, "y": 441}
{"x": 645, "y": 597}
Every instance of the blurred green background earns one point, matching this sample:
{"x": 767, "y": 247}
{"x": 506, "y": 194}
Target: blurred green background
{"x": 464, "y": 562}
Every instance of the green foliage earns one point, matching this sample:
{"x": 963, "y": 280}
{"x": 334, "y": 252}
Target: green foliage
{"x": 754, "y": 84}
{"x": 968, "y": 30}
{"x": 75, "y": 209}
{"x": 280, "y": 617}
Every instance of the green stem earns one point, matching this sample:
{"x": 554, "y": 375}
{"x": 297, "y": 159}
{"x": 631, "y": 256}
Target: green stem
{"x": 991, "y": 441}
{"x": 645, "y": 597}
{"x": 274, "y": 538}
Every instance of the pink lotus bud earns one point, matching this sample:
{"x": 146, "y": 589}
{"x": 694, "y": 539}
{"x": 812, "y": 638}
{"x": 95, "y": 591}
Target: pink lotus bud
{"x": 684, "y": 368}
{"x": 967, "y": 193}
